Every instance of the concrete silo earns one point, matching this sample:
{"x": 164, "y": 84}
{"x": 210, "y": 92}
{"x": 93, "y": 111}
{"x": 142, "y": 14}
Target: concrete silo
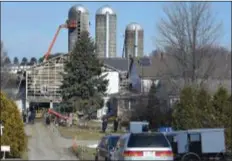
{"x": 134, "y": 40}
{"x": 80, "y": 15}
{"x": 106, "y": 26}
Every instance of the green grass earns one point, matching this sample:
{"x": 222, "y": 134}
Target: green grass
{"x": 80, "y": 134}
{"x": 84, "y": 153}
{"x": 90, "y": 133}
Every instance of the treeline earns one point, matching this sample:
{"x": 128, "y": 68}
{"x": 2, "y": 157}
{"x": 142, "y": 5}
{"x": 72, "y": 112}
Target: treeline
{"x": 16, "y": 61}
{"x": 196, "y": 108}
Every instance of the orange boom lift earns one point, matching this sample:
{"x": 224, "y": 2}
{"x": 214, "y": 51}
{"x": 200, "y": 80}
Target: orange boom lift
{"x": 69, "y": 24}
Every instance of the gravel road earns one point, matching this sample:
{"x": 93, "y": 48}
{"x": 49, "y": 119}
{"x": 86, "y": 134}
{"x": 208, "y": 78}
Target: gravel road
{"x": 45, "y": 143}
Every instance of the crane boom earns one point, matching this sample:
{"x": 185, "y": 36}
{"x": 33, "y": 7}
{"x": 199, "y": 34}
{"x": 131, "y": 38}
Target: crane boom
{"x": 53, "y": 41}
{"x": 68, "y": 24}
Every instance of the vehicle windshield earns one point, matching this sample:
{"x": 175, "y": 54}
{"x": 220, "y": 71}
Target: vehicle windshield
{"x": 148, "y": 140}
{"x": 113, "y": 141}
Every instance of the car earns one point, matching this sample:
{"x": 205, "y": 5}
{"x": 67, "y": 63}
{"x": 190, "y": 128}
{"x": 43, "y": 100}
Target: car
{"x": 106, "y": 147}
{"x": 143, "y": 146}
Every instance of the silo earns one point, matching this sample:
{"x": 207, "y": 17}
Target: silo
{"x": 134, "y": 40}
{"x": 79, "y": 14}
{"x": 106, "y": 26}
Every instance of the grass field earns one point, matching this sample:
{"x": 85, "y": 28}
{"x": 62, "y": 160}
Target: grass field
{"x": 90, "y": 133}
{"x": 80, "y": 134}
{"x": 84, "y": 153}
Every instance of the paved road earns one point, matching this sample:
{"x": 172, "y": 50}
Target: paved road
{"x": 46, "y": 144}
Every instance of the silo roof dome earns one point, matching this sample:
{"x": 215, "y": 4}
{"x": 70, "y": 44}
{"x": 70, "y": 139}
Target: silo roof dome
{"x": 103, "y": 10}
{"x": 78, "y": 8}
{"x": 134, "y": 26}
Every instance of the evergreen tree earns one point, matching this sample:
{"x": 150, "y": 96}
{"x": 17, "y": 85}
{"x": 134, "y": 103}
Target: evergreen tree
{"x": 154, "y": 114}
{"x": 83, "y": 83}
{"x": 40, "y": 60}
{"x": 204, "y": 106}
{"x": 222, "y": 111}
{"x": 220, "y": 105}
{"x": 185, "y": 113}
{"x": 24, "y": 61}
{"x": 16, "y": 61}
{"x": 7, "y": 61}
{"x": 33, "y": 61}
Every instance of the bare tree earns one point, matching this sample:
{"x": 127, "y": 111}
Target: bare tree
{"x": 3, "y": 54}
{"x": 188, "y": 35}
{"x": 5, "y": 75}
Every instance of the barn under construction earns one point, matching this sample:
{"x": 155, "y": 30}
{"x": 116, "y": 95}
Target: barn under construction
{"x": 43, "y": 81}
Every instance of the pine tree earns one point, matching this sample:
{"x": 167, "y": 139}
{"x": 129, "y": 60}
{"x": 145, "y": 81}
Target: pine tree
{"x": 83, "y": 83}
{"x": 185, "y": 113}
{"x": 153, "y": 110}
{"x": 16, "y": 61}
{"x": 24, "y": 61}
{"x": 204, "y": 106}
{"x": 7, "y": 61}
{"x": 222, "y": 111}
{"x": 33, "y": 61}
{"x": 220, "y": 105}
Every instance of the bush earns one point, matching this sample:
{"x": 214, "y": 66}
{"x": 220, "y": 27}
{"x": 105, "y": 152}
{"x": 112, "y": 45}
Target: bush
{"x": 198, "y": 109}
{"x": 13, "y": 132}
{"x": 222, "y": 106}
{"x": 185, "y": 113}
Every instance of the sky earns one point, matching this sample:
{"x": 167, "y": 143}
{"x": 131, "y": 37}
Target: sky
{"x": 27, "y": 28}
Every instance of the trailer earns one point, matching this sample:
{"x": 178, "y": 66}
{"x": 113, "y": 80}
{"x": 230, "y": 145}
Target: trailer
{"x": 198, "y": 144}
{"x": 138, "y": 126}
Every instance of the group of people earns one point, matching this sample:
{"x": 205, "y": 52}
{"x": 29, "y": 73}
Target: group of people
{"x": 29, "y": 115}
{"x": 105, "y": 123}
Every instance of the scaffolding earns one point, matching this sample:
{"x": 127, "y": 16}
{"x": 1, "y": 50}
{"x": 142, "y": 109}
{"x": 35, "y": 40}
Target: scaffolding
{"x": 44, "y": 80}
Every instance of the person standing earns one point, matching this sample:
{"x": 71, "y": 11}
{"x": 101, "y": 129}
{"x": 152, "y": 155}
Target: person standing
{"x": 33, "y": 112}
{"x": 116, "y": 124}
{"x": 104, "y": 125}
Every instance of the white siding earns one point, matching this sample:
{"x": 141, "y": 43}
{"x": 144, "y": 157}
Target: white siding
{"x": 112, "y": 88}
{"x": 113, "y": 84}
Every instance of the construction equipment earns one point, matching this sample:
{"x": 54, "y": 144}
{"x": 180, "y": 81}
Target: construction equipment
{"x": 57, "y": 114}
{"x": 69, "y": 24}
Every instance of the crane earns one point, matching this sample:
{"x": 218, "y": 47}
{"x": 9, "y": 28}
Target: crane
{"x": 68, "y": 24}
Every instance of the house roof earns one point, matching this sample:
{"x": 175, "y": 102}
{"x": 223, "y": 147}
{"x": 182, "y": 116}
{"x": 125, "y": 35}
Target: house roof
{"x": 166, "y": 65}
{"x": 117, "y": 62}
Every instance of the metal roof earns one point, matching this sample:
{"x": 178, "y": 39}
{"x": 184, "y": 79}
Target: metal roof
{"x": 78, "y": 8}
{"x": 133, "y": 26}
{"x": 117, "y": 62}
{"x": 103, "y": 10}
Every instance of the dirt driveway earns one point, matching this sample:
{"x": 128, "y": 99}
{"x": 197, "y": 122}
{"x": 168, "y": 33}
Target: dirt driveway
{"x": 46, "y": 144}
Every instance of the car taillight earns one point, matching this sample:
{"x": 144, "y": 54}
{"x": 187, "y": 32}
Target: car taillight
{"x": 133, "y": 153}
{"x": 164, "y": 153}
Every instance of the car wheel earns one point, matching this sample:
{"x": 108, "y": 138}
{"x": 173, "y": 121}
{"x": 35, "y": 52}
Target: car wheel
{"x": 190, "y": 157}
